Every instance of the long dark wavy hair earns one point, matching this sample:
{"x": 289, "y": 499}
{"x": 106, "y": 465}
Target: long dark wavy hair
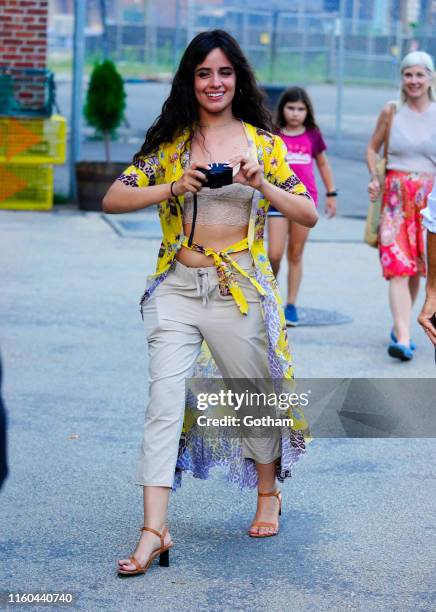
{"x": 295, "y": 94}
{"x": 180, "y": 110}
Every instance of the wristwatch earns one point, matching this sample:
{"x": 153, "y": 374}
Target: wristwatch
{"x": 332, "y": 194}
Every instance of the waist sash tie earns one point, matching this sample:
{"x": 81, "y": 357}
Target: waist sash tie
{"x": 226, "y": 264}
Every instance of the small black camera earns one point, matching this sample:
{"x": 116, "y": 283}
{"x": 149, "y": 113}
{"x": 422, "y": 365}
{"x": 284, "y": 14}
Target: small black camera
{"x": 217, "y": 175}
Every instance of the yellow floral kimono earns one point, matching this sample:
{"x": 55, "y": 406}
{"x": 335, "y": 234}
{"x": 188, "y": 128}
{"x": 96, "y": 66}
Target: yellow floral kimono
{"x": 197, "y": 452}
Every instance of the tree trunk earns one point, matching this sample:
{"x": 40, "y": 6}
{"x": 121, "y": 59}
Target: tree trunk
{"x": 107, "y": 146}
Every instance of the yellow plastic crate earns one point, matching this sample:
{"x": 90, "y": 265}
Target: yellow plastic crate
{"x": 26, "y": 187}
{"x": 33, "y": 141}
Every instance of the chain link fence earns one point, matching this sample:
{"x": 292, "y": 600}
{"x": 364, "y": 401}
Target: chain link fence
{"x": 282, "y": 46}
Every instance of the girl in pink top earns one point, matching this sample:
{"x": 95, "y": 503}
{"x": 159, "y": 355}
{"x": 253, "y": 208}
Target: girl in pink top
{"x": 297, "y": 127}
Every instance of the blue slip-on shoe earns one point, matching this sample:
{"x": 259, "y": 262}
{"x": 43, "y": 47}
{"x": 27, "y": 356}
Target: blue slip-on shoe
{"x": 291, "y": 315}
{"x": 400, "y": 351}
{"x": 395, "y": 339}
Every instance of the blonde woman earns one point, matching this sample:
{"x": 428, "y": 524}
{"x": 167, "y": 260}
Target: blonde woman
{"x": 411, "y": 166}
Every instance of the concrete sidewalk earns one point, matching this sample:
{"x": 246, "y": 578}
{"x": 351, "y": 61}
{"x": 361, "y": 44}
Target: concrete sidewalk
{"x": 356, "y": 531}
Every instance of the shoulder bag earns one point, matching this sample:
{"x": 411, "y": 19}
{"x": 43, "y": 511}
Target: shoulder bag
{"x": 374, "y": 209}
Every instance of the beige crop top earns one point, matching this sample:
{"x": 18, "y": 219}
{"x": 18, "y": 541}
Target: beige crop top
{"x": 229, "y": 205}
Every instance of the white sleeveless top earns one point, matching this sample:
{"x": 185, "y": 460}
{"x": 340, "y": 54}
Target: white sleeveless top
{"x": 229, "y": 205}
{"x": 412, "y": 141}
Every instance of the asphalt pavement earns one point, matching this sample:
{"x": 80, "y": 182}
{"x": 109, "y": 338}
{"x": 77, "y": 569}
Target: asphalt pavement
{"x": 357, "y": 530}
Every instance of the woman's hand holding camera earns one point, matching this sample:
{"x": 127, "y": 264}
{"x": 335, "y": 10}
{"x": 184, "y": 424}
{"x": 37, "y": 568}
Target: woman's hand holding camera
{"x": 249, "y": 173}
{"x": 192, "y": 180}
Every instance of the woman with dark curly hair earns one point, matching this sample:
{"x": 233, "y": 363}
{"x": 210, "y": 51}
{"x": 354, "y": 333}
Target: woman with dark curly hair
{"x": 213, "y": 282}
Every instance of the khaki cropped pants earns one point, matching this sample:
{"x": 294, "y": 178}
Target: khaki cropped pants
{"x": 184, "y": 309}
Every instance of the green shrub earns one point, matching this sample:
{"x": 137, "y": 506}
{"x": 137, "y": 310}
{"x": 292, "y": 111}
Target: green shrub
{"x": 105, "y": 101}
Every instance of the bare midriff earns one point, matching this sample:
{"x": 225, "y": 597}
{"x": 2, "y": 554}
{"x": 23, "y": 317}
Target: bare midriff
{"x": 216, "y": 237}
{"x": 226, "y": 144}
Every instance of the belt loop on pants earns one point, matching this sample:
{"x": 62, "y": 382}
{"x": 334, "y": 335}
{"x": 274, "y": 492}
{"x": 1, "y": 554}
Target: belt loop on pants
{"x": 203, "y": 285}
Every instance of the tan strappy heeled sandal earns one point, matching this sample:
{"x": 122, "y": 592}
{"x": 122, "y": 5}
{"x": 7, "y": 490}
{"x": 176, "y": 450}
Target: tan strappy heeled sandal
{"x": 265, "y": 524}
{"x": 163, "y": 551}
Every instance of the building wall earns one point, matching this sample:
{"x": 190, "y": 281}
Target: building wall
{"x": 23, "y": 35}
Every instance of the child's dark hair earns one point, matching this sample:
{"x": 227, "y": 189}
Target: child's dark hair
{"x": 296, "y": 94}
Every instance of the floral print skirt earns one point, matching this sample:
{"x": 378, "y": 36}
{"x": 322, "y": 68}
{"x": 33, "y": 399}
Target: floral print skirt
{"x": 401, "y": 234}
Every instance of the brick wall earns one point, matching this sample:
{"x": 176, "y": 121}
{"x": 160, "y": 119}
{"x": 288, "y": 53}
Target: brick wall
{"x": 23, "y": 33}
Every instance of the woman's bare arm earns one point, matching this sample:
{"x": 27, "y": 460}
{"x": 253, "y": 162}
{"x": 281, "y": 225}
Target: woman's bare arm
{"x": 294, "y": 207}
{"x": 326, "y": 173}
{"x": 374, "y": 145}
{"x": 377, "y": 139}
{"x": 121, "y": 198}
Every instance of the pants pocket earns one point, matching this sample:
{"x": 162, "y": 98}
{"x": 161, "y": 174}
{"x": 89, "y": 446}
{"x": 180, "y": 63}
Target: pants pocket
{"x": 150, "y": 317}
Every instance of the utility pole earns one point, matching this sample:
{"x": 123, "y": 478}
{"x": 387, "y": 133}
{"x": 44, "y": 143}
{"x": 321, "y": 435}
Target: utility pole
{"x": 176, "y": 36}
{"x": 403, "y": 14}
{"x": 190, "y": 32}
{"x": 119, "y": 32}
{"x": 76, "y": 98}
{"x": 273, "y": 44}
{"x": 245, "y": 39}
{"x": 340, "y": 24}
{"x": 105, "y": 41}
{"x": 381, "y": 16}
{"x": 300, "y": 15}
{"x": 355, "y": 16}
{"x": 151, "y": 34}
